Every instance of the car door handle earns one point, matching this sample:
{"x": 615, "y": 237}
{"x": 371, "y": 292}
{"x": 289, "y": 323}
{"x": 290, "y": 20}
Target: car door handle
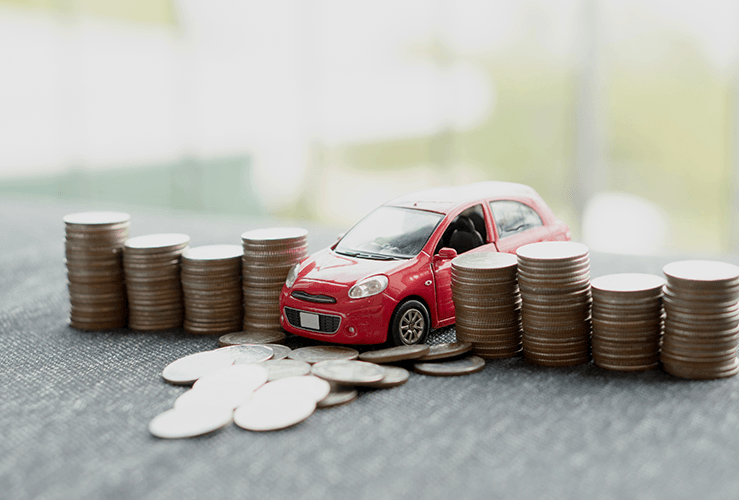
{"x": 428, "y": 282}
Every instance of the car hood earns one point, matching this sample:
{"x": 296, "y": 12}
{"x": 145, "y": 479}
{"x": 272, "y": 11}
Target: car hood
{"x": 329, "y": 266}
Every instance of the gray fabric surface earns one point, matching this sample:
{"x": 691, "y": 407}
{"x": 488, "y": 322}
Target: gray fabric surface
{"x": 74, "y": 410}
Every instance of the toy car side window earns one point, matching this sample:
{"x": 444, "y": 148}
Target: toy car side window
{"x": 512, "y": 217}
{"x": 465, "y": 232}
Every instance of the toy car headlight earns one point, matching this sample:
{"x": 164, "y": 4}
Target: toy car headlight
{"x": 368, "y": 287}
{"x": 292, "y": 275}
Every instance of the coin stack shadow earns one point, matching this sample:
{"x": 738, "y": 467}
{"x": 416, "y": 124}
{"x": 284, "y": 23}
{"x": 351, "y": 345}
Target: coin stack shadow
{"x": 701, "y": 322}
{"x": 554, "y": 279}
{"x": 93, "y": 246}
{"x": 268, "y": 256}
{"x": 152, "y": 265}
{"x": 211, "y": 285}
{"x": 487, "y": 303}
{"x": 627, "y": 321}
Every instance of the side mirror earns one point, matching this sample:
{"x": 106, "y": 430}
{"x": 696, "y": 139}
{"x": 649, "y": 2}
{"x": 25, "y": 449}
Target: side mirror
{"x": 338, "y": 239}
{"x": 446, "y": 253}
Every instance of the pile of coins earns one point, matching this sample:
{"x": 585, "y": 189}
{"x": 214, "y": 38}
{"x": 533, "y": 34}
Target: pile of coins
{"x": 152, "y": 265}
{"x": 554, "y": 279}
{"x": 487, "y": 303}
{"x": 211, "y": 284}
{"x": 268, "y": 256}
{"x": 701, "y": 324}
{"x": 93, "y": 248}
{"x": 627, "y": 321}
{"x": 259, "y": 389}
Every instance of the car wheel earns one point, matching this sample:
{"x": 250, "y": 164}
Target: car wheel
{"x": 410, "y": 323}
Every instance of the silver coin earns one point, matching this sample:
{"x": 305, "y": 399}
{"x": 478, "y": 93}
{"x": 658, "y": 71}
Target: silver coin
{"x": 283, "y": 368}
{"x": 312, "y": 387}
{"x": 394, "y": 376}
{"x": 187, "y": 370}
{"x": 248, "y": 353}
{"x": 349, "y": 372}
{"x": 462, "y": 366}
{"x": 316, "y": 354}
{"x": 252, "y": 337}
{"x": 249, "y": 376}
{"x": 184, "y": 423}
{"x": 275, "y": 233}
{"x": 213, "y": 252}
{"x": 228, "y": 396}
{"x": 338, "y": 396}
{"x": 154, "y": 241}
{"x": 395, "y": 354}
{"x": 446, "y": 351}
{"x": 273, "y": 413}
{"x": 280, "y": 351}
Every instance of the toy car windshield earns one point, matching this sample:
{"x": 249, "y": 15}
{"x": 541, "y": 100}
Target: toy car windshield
{"x": 389, "y": 233}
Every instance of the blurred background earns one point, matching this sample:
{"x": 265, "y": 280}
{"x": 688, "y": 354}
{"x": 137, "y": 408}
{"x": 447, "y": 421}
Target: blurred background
{"x": 622, "y": 114}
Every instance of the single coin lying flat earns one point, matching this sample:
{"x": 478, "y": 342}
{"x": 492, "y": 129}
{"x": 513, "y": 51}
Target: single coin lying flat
{"x": 248, "y": 353}
{"x": 187, "y": 370}
{"x": 349, "y": 372}
{"x": 188, "y": 422}
{"x": 316, "y": 354}
{"x": 446, "y": 351}
{"x": 395, "y": 354}
{"x": 451, "y": 368}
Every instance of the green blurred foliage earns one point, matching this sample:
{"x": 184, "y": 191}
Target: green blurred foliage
{"x": 153, "y": 11}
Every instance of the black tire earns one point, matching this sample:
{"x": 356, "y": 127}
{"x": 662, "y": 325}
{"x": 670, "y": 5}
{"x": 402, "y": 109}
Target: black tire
{"x": 410, "y": 323}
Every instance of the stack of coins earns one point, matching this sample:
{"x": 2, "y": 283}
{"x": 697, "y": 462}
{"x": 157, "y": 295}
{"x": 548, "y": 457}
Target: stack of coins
{"x": 211, "y": 284}
{"x": 152, "y": 265}
{"x": 554, "y": 278}
{"x": 627, "y": 321}
{"x": 93, "y": 248}
{"x": 487, "y": 303}
{"x": 701, "y": 323}
{"x": 268, "y": 256}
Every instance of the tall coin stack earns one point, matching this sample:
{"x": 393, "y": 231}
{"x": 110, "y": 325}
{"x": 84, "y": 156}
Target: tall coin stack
{"x": 211, "y": 284}
{"x": 268, "y": 256}
{"x": 93, "y": 247}
{"x": 487, "y": 303}
{"x": 152, "y": 265}
{"x": 554, "y": 278}
{"x": 701, "y": 323}
{"x": 627, "y": 321}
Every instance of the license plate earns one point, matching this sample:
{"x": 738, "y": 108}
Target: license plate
{"x": 309, "y": 320}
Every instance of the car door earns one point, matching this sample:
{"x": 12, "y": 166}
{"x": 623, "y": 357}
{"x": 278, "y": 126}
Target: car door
{"x": 517, "y": 224}
{"x": 442, "y": 268}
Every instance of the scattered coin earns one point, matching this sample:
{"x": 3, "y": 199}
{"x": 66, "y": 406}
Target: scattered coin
{"x": 316, "y": 354}
{"x": 251, "y": 377}
{"x": 274, "y": 413}
{"x": 190, "y": 422}
{"x": 283, "y": 368}
{"x": 252, "y": 337}
{"x": 248, "y": 353}
{"x": 348, "y": 372}
{"x": 187, "y": 370}
{"x": 280, "y": 351}
{"x": 394, "y": 354}
{"x": 338, "y": 396}
{"x": 451, "y": 368}
{"x": 394, "y": 376}
{"x": 227, "y": 396}
{"x": 313, "y": 387}
{"x": 446, "y": 350}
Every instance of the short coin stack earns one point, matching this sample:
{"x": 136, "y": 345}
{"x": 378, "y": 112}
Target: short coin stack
{"x": 152, "y": 265}
{"x": 268, "y": 256}
{"x": 487, "y": 303}
{"x": 701, "y": 324}
{"x": 554, "y": 278}
{"x": 211, "y": 284}
{"x": 93, "y": 248}
{"x": 627, "y": 321}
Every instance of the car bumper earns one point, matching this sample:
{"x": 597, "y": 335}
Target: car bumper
{"x": 360, "y": 321}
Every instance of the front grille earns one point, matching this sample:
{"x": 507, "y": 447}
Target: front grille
{"x": 320, "y": 299}
{"x": 327, "y": 323}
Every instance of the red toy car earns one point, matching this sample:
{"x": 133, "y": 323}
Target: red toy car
{"x": 390, "y": 274}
